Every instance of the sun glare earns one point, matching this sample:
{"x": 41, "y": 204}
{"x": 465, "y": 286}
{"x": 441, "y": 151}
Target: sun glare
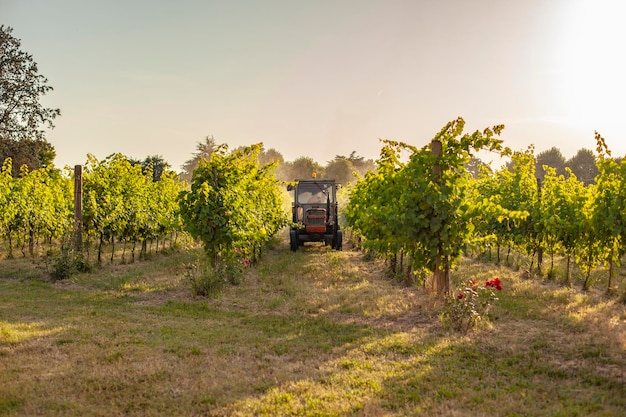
{"x": 590, "y": 63}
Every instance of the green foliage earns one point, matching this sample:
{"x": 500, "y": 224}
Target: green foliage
{"x": 234, "y": 204}
{"x": 465, "y": 308}
{"x": 492, "y": 216}
{"x": 432, "y": 209}
{"x": 122, "y": 202}
{"x": 436, "y": 209}
{"x": 67, "y": 263}
{"x": 32, "y": 153}
{"x": 204, "y": 280}
{"x": 584, "y": 166}
{"x": 608, "y": 213}
{"x": 415, "y": 207}
{"x": 36, "y": 205}
{"x": 563, "y": 213}
{"x": 21, "y": 89}
{"x": 519, "y": 192}
{"x": 207, "y": 281}
{"x": 63, "y": 266}
{"x": 373, "y": 205}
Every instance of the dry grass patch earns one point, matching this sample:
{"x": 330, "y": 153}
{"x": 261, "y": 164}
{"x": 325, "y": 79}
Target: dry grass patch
{"x": 311, "y": 333}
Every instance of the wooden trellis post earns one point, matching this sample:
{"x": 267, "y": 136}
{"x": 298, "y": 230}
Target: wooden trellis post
{"x": 78, "y": 208}
{"x": 441, "y": 274}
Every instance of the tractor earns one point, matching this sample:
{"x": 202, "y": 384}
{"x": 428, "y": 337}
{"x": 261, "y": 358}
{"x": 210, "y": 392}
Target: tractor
{"x": 314, "y": 210}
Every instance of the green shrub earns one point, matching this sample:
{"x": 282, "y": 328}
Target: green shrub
{"x": 464, "y": 309}
{"x": 204, "y": 280}
{"x": 67, "y": 263}
{"x": 207, "y": 281}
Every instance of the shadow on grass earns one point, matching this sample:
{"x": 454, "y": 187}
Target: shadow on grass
{"x": 310, "y": 333}
{"x": 483, "y": 377}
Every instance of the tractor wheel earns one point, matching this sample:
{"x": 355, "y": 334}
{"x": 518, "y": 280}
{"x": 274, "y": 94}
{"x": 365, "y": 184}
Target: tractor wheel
{"x": 338, "y": 240}
{"x": 293, "y": 240}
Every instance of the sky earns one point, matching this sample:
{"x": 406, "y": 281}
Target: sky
{"x": 322, "y": 78}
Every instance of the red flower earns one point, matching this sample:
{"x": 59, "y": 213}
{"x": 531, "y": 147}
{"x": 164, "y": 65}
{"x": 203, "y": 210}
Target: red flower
{"x": 496, "y": 283}
{"x": 460, "y": 296}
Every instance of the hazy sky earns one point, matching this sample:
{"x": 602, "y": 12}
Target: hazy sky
{"x": 324, "y": 78}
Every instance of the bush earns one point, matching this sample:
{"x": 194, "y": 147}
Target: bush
{"x": 463, "y": 310}
{"x": 67, "y": 263}
{"x": 204, "y": 280}
{"x": 207, "y": 281}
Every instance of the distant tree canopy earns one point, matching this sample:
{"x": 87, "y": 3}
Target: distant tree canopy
{"x": 341, "y": 169}
{"x": 156, "y": 163}
{"x": 22, "y": 117}
{"x": 344, "y": 169}
{"x": 269, "y": 156}
{"x": 302, "y": 167}
{"x": 552, "y": 158}
{"x": 204, "y": 149}
{"x": 474, "y": 165}
{"x": 361, "y": 165}
{"x": 583, "y": 165}
{"x": 33, "y": 153}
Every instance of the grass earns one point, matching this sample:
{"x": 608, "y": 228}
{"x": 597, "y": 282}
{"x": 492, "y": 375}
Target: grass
{"x": 311, "y": 333}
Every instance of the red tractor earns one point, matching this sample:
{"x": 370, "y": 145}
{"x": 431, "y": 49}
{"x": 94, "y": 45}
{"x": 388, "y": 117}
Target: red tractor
{"x": 314, "y": 210}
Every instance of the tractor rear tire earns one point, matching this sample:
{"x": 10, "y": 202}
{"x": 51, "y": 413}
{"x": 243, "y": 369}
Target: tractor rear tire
{"x": 293, "y": 240}
{"x": 338, "y": 240}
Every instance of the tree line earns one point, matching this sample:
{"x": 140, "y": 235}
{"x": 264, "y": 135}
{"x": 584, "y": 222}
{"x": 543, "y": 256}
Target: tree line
{"x": 344, "y": 169}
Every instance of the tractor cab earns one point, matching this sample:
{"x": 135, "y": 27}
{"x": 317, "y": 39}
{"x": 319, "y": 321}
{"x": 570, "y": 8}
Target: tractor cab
{"x": 314, "y": 211}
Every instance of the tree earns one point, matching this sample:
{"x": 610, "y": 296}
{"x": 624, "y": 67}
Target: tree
{"x": 583, "y": 165}
{"x": 474, "y": 165}
{"x": 552, "y": 158}
{"x": 302, "y": 167}
{"x": 344, "y": 168}
{"x": 22, "y": 117}
{"x": 34, "y": 153}
{"x": 203, "y": 151}
{"x": 270, "y": 156}
{"x": 341, "y": 169}
{"x": 157, "y": 164}
{"x": 360, "y": 164}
